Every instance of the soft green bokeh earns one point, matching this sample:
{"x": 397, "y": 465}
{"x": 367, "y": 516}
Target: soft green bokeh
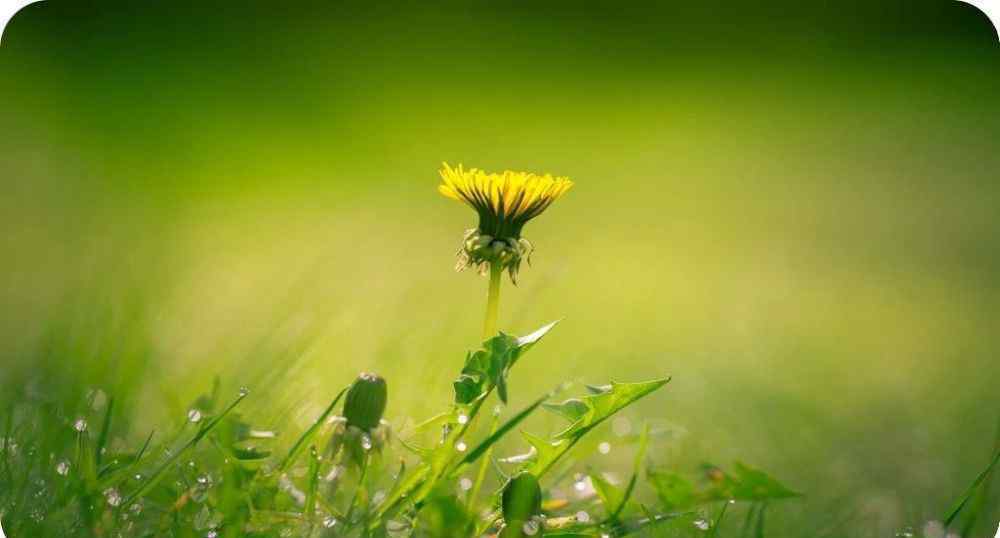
{"x": 792, "y": 211}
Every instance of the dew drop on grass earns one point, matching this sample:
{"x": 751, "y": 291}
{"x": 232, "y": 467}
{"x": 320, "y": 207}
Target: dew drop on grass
{"x": 905, "y": 533}
{"x": 701, "y": 524}
{"x": 329, "y": 522}
{"x": 465, "y": 484}
{"x": 461, "y": 446}
{"x": 194, "y": 415}
{"x": 366, "y": 441}
{"x": 212, "y": 534}
{"x": 62, "y": 468}
{"x": 582, "y": 516}
{"x": 604, "y": 447}
{"x": 463, "y": 419}
{"x": 113, "y": 497}
{"x": 80, "y": 425}
{"x": 530, "y": 527}
{"x": 244, "y": 391}
{"x": 378, "y": 497}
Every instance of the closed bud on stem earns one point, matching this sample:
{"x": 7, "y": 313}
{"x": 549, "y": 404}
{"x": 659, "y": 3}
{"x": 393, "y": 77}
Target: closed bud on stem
{"x": 365, "y": 401}
{"x": 521, "y": 499}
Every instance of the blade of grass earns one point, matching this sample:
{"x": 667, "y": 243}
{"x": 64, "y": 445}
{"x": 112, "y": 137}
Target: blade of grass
{"x": 982, "y": 495}
{"x": 310, "y": 507}
{"x": 964, "y": 498}
{"x": 102, "y": 438}
{"x": 637, "y": 466}
{"x": 155, "y": 477}
{"x": 760, "y": 520}
{"x": 290, "y": 458}
{"x": 483, "y": 467}
{"x": 748, "y": 521}
{"x": 718, "y": 520}
{"x": 483, "y": 446}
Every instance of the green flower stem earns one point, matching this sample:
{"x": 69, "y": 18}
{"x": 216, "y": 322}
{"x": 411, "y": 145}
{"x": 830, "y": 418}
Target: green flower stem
{"x": 493, "y": 301}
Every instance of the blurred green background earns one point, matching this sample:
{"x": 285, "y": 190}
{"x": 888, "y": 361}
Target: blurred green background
{"x": 792, "y": 210}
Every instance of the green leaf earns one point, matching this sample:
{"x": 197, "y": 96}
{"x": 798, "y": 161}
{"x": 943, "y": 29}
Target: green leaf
{"x": 603, "y": 405}
{"x": 489, "y": 367}
{"x": 546, "y": 452}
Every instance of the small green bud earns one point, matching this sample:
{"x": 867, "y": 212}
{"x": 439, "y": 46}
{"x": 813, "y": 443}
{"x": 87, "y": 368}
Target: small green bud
{"x": 365, "y": 401}
{"x": 521, "y": 499}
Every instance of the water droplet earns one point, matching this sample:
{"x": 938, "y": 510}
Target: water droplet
{"x": 194, "y": 415}
{"x": 80, "y": 425}
{"x": 204, "y": 480}
{"x": 62, "y": 467}
{"x": 463, "y": 419}
{"x": 112, "y": 496}
{"x": 329, "y": 522}
{"x": 263, "y": 434}
{"x": 905, "y": 533}
{"x": 701, "y": 524}
{"x": 366, "y": 441}
{"x": 461, "y": 446}
{"x": 378, "y": 497}
{"x": 395, "y": 526}
{"x": 244, "y": 391}
{"x": 465, "y": 484}
{"x": 530, "y": 527}
{"x": 212, "y": 534}
{"x": 138, "y": 478}
{"x": 580, "y": 485}
{"x": 934, "y": 529}
{"x": 136, "y": 507}
{"x": 582, "y": 516}
{"x": 621, "y": 426}
{"x": 604, "y": 447}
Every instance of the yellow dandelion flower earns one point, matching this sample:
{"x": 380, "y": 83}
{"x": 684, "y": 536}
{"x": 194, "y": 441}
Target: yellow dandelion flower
{"x": 505, "y": 202}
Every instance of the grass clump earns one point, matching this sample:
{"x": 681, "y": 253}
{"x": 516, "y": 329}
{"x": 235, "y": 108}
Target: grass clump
{"x": 350, "y": 474}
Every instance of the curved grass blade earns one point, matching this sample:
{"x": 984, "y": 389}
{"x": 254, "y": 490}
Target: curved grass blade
{"x": 310, "y": 505}
{"x": 309, "y": 433}
{"x": 155, "y": 477}
{"x": 102, "y": 439}
{"x": 637, "y": 466}
{"x": 718, "y": 520}
{"x": 483, "y": 446}
{"x": 971, "y": 490}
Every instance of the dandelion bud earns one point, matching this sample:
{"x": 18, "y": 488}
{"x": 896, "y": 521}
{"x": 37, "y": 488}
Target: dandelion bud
{"x": 365, "y": 401}
{"x": 521, "y": 499}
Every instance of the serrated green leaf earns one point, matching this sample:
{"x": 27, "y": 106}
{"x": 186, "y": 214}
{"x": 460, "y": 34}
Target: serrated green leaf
{"x": 488, "y": 367}
{"x": 546, "y": 452}
{"x": 603, "y": 405}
